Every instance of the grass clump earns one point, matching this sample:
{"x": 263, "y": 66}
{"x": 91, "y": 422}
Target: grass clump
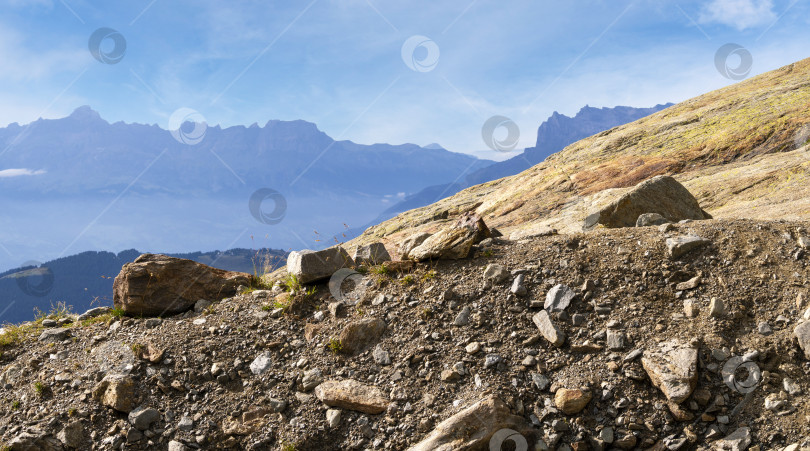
{"x": 380, "y": 270}
{"x": 58, "y": 311}
{"x": 407, "y": 280}
{"x": 40, "y": 388}
{"x": 15, "y": 405}
{"x": 292, "y": 283}
{"x": 17, "y": 333}
{"x": 430, "y": 275}
{"x": 335, "y": 345}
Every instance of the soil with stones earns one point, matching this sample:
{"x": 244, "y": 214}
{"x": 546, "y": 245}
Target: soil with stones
{"x": 253, "y": 371}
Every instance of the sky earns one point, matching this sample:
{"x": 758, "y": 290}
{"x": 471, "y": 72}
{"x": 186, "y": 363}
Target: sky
{"x": 382, "y": 71}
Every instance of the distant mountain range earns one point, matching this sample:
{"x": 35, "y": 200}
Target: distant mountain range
{"x": 80, "y": 183}
{"x": 554, "y": 134}
{"x": 85, "y": 280}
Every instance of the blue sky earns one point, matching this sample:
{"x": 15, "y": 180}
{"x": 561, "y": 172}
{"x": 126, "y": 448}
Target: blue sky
{"x": 339, "y": 64}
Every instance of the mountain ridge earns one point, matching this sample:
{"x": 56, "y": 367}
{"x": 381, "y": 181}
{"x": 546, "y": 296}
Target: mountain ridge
{"x": 749, "y": 129}
{"x": 135, "y": 186}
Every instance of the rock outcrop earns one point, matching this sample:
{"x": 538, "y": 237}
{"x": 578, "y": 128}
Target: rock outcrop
{"x": 661, "y": 194}
{"x": 453, "y": 242}
{"x": 159, "y": 285}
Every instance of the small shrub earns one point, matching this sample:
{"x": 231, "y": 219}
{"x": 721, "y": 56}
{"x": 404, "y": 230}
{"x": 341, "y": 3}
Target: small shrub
{"x": 335, "y": 345}
{"x": 292, "y": 283}
{"x": 117, "y": 312}
{"x": 380, "y": 270}
{"x": 282, "y": 305}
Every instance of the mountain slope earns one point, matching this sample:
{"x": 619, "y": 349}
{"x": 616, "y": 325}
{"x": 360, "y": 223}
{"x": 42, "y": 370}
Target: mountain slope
{"x": 740, "y": 150}
{"x": 553, "y": 135}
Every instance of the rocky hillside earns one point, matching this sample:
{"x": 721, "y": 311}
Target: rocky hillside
{"x": 740, "y": 150}
{"x": 610, "y": 339}
{"x": 668, "y": 323}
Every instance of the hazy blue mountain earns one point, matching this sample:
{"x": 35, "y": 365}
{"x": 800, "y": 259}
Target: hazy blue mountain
{"x": 554, "y": 134}
{"x": 85, "y": 280}
{"x": 100, "y": 186}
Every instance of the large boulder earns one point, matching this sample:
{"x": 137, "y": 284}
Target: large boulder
{"x": 371, "y": 254}
{"x": 157, "y": 285}
{"x": 661, "y": 194}
{"x": 487, "y": 424}
{"x": 410, "y": 243}
{"x": 310, "y": 266}
{"x": 453, "y": 242}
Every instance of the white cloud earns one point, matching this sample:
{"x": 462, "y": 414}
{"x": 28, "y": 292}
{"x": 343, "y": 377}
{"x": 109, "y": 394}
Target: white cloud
{"x": 7, "y": 173}
{"x": 740, "y": 14}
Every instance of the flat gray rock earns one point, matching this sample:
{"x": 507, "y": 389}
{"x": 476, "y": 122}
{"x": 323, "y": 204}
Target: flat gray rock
{"x": 143, "y": 417}
{"x": 495, "y": 273}
{"x": 739, "y": 440}
{"x": 802, "y": 333}
{"x": 310, "y": 266}
{"x": 549, "y": 330}
{"x": 672, "y": 367}
{"x": 55, "y": 335}
{"x": 261, "y": 364}
{"x": 680, "y": 245}
{"x": 558, "y": 298}
{"x": 371, "y": 254}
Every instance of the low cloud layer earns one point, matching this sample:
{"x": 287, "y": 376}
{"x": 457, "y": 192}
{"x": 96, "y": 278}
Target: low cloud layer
{"x": 8, "y": 173}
